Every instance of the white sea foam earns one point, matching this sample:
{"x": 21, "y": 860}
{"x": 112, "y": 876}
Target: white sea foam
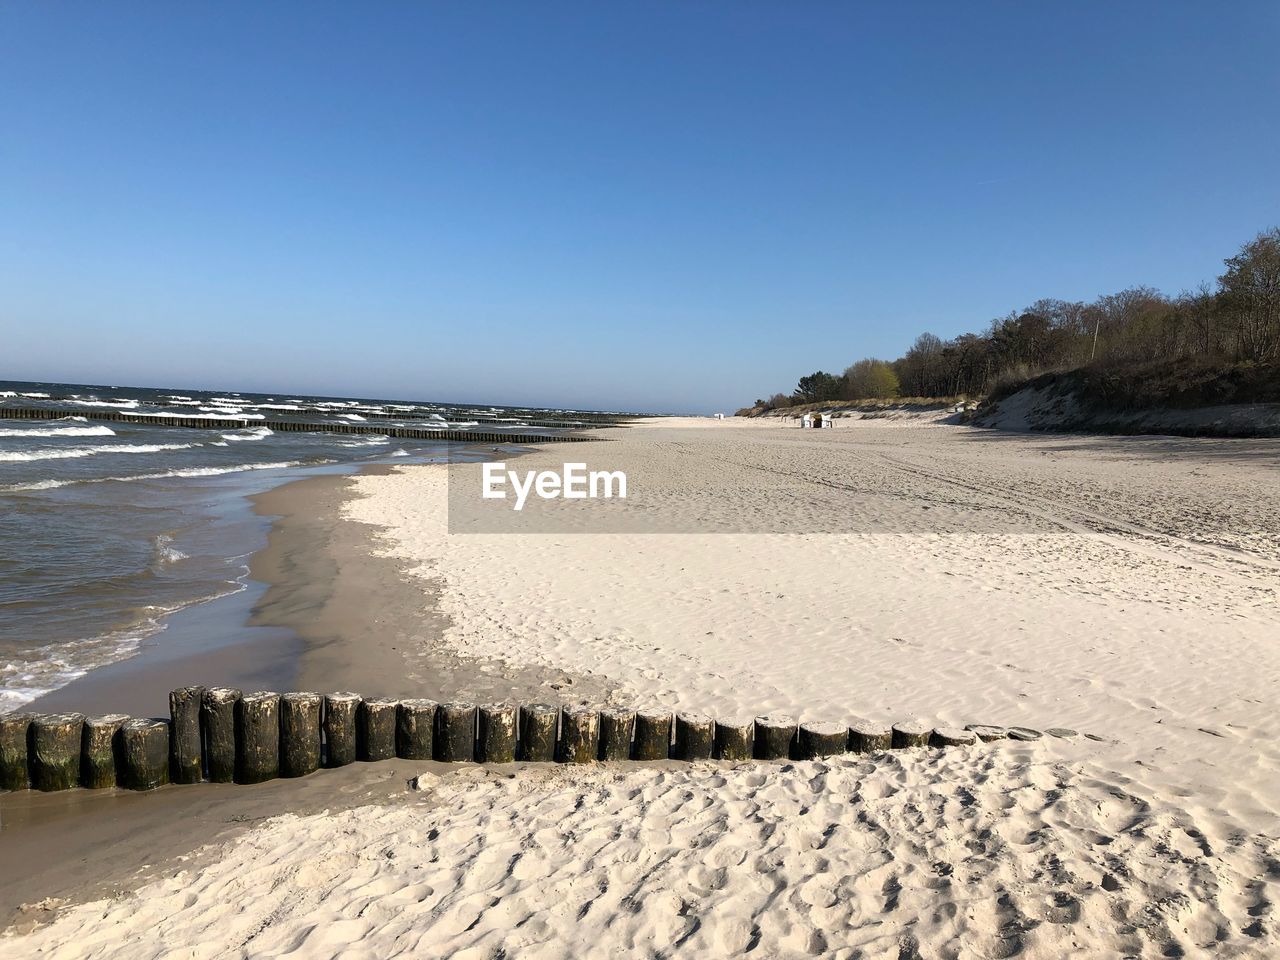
{"x": 184, "y": 473}
{"x": 249, "y": 433}
{"x": 165, "y": 551}
{"x": 109, "y": 404}
{"x": 75, "y": 453}
{"x": 352, "y": 416}
{"x": 97, "y": 431}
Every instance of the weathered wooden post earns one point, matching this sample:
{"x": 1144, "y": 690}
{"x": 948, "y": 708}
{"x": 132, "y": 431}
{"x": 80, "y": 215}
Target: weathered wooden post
{"x": 185, "y": 756}
{"x": 340, "y": 728}
{"x": 616, "y": 727}
{"x": 987, "y": 733}
{"x": 775, "y": 737}
{"x": 497, "y": 740}
{"x": 258, "y": 737}
{"x": 1024, "y": 734}
{"x": 580, "y": 735}
{"x": 735, "y": 739}
{"x": 99, "y": 746}
{"x": 14, "y": 734}
{"x": 218, "y": 716}
{"x": 455, "y": 740}
{"x": 653, "y": 735}
{"x": 415, "y": 723}
{"x": 55, "y": 750}
{"x": 952, "y": 737}
{"x": 299, "y": 734}
{"x": 911, "y": 733}
{"x": 695, "y": 736}
{"x": 538, "y": 732}
{"x": 1062, "y": 733}
{"x": 144, "y": 754}
{"x": 868, "y": 736}
{"x": 819, "y": 739}
{"x": 376, "y": 729}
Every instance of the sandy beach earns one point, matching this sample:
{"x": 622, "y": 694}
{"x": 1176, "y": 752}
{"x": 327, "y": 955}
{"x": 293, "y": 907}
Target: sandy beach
{"x": 1124, "y": 588}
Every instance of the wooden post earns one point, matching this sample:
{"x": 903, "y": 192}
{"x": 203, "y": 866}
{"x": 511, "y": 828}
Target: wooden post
{"x": 455, "y": 740}
{"x": 580, "y": 735}
{"x": 415, "y": 722}
{"x": 376, "y": 729}
{"x": 55, "y": 750}
{"x": 775, "y": 737}
{"x": 185, "y": 762}
{"x": 1062, "y": 733}
{"x": 953, "y": 737}
{"x": 653, "y": 735}
{"x": 868, "y": 736}
{"x": 822, "y": 740}
{"x": 695, "y": 736}
{"x": 258, "y": 737}
{"x": 735, "y": 739}
{"x": 1024, "y": 733}
{"x": 538, "y": 732}
{"x": 616, "y": 727}
{"x": 218, "y": 716}
{"x": 144, "y": 754}
{"x": 340, "y": 728}
{"x": 911, "y": 733}
{"x": 299, "y": 734}
{"x": 497, "y": 741}
{"x": 986, "y": 733}
{"x": 99, "y": 746}
{"x": 14, "y": 731}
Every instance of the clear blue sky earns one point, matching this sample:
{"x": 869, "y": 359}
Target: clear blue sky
{"x": 665, "y": 206}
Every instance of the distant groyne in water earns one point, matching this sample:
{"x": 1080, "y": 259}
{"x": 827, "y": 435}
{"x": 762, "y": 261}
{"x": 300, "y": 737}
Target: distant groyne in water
{"x": 222, "y": 735}
{"x": 204, "y": 422}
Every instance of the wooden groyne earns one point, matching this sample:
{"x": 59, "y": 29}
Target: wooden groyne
{"x": 293, "y": 426}
{"x": 219, "y": 734}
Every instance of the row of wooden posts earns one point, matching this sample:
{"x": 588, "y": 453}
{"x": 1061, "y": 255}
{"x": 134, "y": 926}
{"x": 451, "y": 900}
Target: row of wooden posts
{"x": 221, "y": 735}
{"x": 294, "y": 426}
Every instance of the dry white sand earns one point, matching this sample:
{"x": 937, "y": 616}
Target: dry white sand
{"x": 1121, "y": 586}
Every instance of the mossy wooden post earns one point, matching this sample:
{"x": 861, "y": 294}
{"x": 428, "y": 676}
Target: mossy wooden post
{"x": 695, "y": 736}
{"x": 258, "y": 737}
{"x": 455, "y": 740}
{"x": 911, "y": 733}
{"x": 218, "y": 717}
{"x": 538, "y": 732}
{"x": 616, "y": 728}
{"x": 822, "y": 740}
{"x": 579, "y": 735}
{"x": 144, "y": 754}
{"x": 340, "y": 728}
{"x": 952, "y": 737}
{"x": 497, "y": 739}
{"x": 299, "y": 734}
{"x": 868, "y": 736}
{"x": 987, "y": 733}
{"x": 186, "y": 764}
{"x": 55, "y": 750}
{"x": 735, "y": 739}
{"x": 99, "y": 747}
{"x": 415, "y": 725}
{"x": 775, "y": 737}
{"x": 376, "y": 729}
{"x": 653, "y": 735}
{"x": 14, "y": 733}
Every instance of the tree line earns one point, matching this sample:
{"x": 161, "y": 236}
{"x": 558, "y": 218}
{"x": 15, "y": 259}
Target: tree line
{"x": 1237, "y": 320}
